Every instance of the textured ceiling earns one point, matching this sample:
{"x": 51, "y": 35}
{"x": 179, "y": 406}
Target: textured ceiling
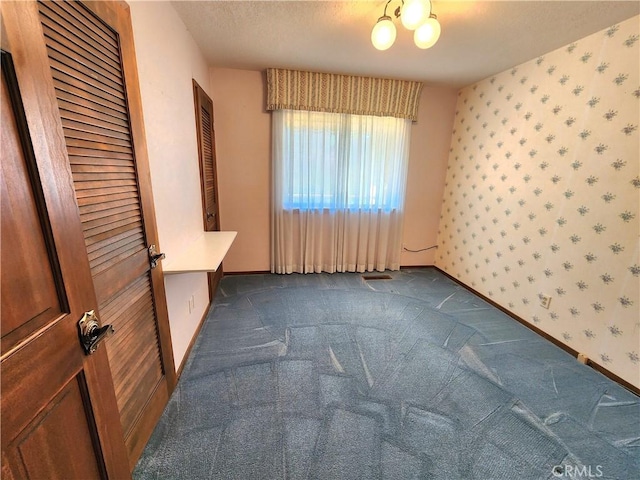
{"x": 479, "y": 38}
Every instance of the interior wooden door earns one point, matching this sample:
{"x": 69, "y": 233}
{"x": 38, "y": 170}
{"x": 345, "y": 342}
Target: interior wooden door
{"x": 59, "y": 411}
{"x": 92, "y": 63}
{"x": 208, "y": 174}
{"x": 89, "y": 67}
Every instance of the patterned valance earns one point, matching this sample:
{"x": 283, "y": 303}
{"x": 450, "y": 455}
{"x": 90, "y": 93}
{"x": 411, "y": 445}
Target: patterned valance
{"x": 326, "y": 92}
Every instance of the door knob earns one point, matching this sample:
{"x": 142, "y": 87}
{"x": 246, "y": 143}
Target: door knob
{"x": 91, "y": 333}
{"x": 154, "y": 256}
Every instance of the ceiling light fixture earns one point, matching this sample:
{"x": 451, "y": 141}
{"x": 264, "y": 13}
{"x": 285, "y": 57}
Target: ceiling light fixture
{"x": 415, "y": 15}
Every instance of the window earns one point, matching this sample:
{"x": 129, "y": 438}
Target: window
{"x": 339, "y": 161}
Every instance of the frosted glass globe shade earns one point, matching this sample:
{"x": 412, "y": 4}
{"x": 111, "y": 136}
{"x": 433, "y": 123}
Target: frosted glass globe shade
{"x": 414, "y": 13}
{"x": 383, "y": 34}
{"x": 427, "y": 34}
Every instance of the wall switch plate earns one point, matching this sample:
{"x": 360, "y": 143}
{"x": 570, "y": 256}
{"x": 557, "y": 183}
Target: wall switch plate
{"x": 192, "y": 304}
{"x": 545, "y": 300}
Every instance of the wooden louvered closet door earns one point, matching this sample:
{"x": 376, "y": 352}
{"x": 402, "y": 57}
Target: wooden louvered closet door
{"x": 208, "y": 176}
{"x": 92, "y": 65}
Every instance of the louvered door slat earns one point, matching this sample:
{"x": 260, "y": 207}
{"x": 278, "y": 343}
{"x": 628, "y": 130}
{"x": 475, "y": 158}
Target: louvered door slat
{"x": 136, "y": 305}
{"x": 97, "y": 248}
{"x": 84, "y": 135}
{"x": 145, "y": 379}
{"x": 93, "y": 127}
{"x": 106, "y": 148}
{"x": 207, "y": 151}
{"x": 83, "y": 85}
{"x": 90, "y": 24}
{"x": 128, "y": 327}
{"x": 66, "y": 65}
{"x": 105, "y": 238}
{"x": 104, "y": 262}
{"x": 117, "y": 305}
{"x": 102, "y": 249}
{"x": 108, "y": 284}
{"x": 108, "y": 212}
{"x": 103, "y": 184}
{"x": 72, "y": 97}
{"x": 76, "y": 111}
{"x": 108, "y": 174}
{"x": 69, "y": 44}
{"x": 54, "y": 12}
{"x": 116, "y": 247}
{"x": 85, "y": 197}
{"x": 135, "y": 378}
{"x": 88, "y": 168}
{"x": 89, "y": 203}
{"x": 102, "y": 242}
{"x": 95, "y": 196}
{"x": 103, "y": 226}
{"x": 89, "y": 209}
{"x": 72, "y": 120}
{"x": 135, "y": 342}
{"x": 69, "y": 89}
{"x": 98, "y": 161}
{"x": 207, "y": 147}
{"x": 119, "y": 249}
{"x": 84, "y": 56}
{"x": 95, "y": 153}
{"x": 71, "y": 53}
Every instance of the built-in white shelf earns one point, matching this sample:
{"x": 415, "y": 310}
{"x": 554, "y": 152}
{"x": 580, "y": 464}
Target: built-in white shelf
{"x": 203, "y": 255}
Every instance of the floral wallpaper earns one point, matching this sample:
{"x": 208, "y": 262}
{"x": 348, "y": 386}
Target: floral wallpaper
{"x": 543, "y": 191}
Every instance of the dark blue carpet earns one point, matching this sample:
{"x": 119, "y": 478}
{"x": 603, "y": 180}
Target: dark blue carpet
{"x": 333, "y": 377}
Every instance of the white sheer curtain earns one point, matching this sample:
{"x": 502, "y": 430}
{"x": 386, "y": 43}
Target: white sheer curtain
{"x": 338, "y": 191}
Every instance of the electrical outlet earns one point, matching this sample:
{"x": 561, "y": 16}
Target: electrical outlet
{"x": 545, "y": 300}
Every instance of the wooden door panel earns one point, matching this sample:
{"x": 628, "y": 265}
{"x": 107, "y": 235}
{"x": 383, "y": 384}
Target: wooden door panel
{"x": 57, "y": 442}
{"x": 32, "y": 299}
{"x": 20, "y": 381}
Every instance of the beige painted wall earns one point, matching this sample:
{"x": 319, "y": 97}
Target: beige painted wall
{"x": 243, "y": 145}
{"x": 430, "y": 143}
{"x": 168, "y": 59}
{"x": 243, "y": 151}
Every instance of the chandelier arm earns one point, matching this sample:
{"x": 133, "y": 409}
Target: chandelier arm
{"x": 385, "y": 7}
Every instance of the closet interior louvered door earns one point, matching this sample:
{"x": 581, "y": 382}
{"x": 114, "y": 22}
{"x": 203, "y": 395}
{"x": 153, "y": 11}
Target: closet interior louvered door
{"x": 208, "y": 175}
{"x": 87, "y": 63}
